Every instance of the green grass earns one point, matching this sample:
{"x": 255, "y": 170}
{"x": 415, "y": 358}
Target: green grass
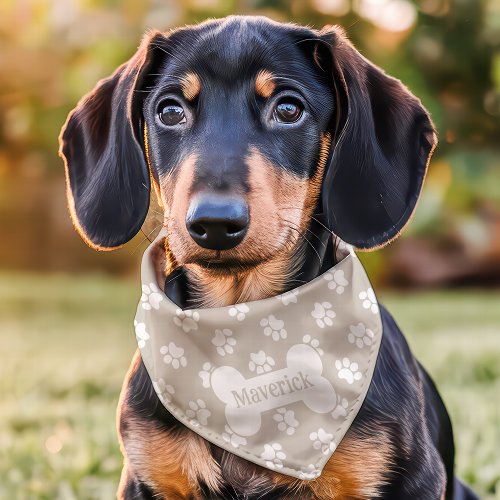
{"x": 66, "y": 344}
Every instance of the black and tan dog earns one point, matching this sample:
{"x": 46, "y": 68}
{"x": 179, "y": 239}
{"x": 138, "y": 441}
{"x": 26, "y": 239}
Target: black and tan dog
{"x": 260, "y": 139}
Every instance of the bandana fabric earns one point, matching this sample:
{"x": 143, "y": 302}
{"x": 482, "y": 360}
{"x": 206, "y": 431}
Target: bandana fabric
{"x": 276, "y": 381}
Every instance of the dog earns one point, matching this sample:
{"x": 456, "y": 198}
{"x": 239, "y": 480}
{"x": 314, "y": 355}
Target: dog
{"x": 260, "y": 140}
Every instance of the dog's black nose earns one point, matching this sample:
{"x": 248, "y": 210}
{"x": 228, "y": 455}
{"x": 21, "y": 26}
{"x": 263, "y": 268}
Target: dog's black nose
{"x": 217, "y": 222}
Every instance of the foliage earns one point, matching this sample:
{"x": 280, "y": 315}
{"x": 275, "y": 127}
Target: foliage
{"x": 54, "y": 51}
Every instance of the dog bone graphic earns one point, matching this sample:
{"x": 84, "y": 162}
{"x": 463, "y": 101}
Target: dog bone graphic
{"x": 246, "y": 399}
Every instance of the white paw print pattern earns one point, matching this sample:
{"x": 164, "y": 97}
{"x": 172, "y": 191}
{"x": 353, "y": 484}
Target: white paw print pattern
{"x": 369, "y": 300}
{"x": 360, "y": 335}
{"x": 288, "y": 297}
{"x": 323, "y": 441}
{"x": 347, "y": 370}
{"x": 323, "y": 314}
{"x": 151, "y": 297}
{"x": 286, "y": 420}
{"x": 141, "y": 334}
{"x": 204, "y": 374}
{"x": 309, "y": 472}
{"x": 173, "y": 355}
{"x": 260, "y": 362}
{"x": 273, "y": 327}
{"x": 223, "y": 341}
{"x": 273, "y": 455}
{"x": 337, "y": 281}
{"x": 187, "y": 320}
{"x": 235, "y": 440}
{"x": 307, "y": 339}
{"x": 165, "y": 391}
{"x": 341, "y": 409}
{"x": 238, "y": 311}
{"x": 342, "y": 245}
{"x": 198, "y": 412}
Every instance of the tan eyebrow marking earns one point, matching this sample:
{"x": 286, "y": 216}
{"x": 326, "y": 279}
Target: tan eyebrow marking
{"x": 190, "y": 85}
{"x": 264, "y": 83}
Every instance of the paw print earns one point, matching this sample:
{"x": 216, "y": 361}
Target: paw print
{"x": 141, "y": 334}
{"x": 347, "y": 370}
{"x": 204, "y": 374}
{"x": 173, "y": 355}
{"x": 286, "y": 420}
{"x": 288, "y": 297}
{"x": 337, "y": 281}
{"x": 273, "y": 327}
{"x": 309, "y": 472}
{"x": 323, "y": 314}
{"x": 232, "y": 438}
{"x": 360, "y": 335}
{"x": 307, "y": 339}
{"x": 369, "y": 300}
{"x": 223, "y": 341}
{"x": 273, "y": 455}
{"x": 165, "y": 391}
{"x": 151, "y": 297}
{"x": 341, "y": 409}
{"x": 323, "y": 441}
{"x": 260, "y": 362}
{"x": 239, "y": 311}
{"x": 342, "y": 245}
{"x": 187, "y": 320}
{"x": 198, "y": 412}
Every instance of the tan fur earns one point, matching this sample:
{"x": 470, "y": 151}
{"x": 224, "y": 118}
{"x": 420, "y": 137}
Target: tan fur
{"x": 264, "y": 83}
{"x": 170, "y": 463}
{"x": 280, "y": 208}
{"x": 148, "y": 159}
{"x": 346, "y": 476}
{"x": 314, "y": 184}
{"x": 190, "y": 86}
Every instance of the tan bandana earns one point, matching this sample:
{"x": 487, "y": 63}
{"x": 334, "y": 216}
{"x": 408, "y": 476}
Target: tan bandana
{"x": 276, "y": 381}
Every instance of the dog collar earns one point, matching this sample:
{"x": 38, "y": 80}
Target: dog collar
{"x": 276, "y": 381}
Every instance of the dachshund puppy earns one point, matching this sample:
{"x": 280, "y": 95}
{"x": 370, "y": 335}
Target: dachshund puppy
{"x": 260, "y": 140}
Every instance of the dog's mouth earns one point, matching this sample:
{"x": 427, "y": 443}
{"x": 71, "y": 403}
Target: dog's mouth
{"x": 226, "y": 265}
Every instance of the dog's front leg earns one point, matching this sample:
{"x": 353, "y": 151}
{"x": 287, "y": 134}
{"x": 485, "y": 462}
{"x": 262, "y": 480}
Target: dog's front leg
{"x": 131, "y": 488}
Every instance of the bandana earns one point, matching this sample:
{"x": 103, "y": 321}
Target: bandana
{"x": 276, "y": 381}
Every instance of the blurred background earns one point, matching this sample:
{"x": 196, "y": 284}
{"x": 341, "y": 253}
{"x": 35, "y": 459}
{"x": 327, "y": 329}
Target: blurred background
{"x": 66, "y": 311}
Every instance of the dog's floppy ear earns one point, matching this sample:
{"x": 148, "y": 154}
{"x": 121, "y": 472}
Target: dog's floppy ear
{"x": 107, "y": 177}
{"x": 384, "y": 140}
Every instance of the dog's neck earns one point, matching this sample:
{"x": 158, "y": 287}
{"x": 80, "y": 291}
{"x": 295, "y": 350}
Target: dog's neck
{"x": 194, "y": 286}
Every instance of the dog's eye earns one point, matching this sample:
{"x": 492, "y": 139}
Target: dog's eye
{"x": 288, "y": 110}
{"x": 171, "y": 113}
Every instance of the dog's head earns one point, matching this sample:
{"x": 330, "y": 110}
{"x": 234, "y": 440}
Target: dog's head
{"x": 247, "y": 129}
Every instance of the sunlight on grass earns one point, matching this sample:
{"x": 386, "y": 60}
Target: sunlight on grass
{"x": 67, "y": 343}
